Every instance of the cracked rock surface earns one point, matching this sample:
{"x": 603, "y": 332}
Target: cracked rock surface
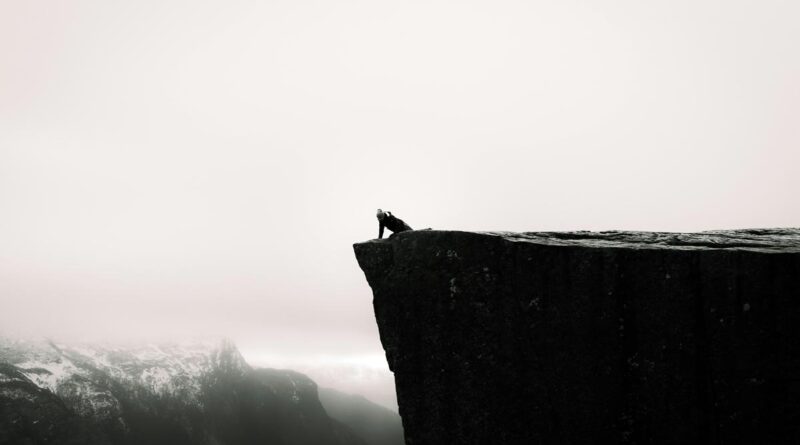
{"x": 591, "y": 337}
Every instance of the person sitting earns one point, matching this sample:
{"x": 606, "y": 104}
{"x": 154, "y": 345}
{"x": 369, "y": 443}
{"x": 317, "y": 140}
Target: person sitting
{"x": 391, "y": 222}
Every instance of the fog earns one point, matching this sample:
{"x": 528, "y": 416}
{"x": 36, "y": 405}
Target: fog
{"x": 174, "y": 169}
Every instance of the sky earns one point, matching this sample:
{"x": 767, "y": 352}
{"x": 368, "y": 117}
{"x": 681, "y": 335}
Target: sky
{"x": 179, "y": 168}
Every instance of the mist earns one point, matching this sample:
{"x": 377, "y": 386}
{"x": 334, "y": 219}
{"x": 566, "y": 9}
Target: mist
{"x": 174, "y": 169}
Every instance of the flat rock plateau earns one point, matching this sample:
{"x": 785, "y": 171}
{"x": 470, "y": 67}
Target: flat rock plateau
{"x": 591, "y": 337}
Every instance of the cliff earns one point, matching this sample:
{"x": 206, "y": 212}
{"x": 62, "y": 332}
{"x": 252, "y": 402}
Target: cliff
{"x": 610, "y": 337}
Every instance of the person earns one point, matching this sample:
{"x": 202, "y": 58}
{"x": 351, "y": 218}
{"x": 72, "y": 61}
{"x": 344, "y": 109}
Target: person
{"x": 391, "y": 222}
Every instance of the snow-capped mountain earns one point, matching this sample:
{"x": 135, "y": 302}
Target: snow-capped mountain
{"x": 196, "y": 393}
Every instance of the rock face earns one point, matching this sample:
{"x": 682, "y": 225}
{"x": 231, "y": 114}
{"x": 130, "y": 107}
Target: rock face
{"x": 610, "y": 337}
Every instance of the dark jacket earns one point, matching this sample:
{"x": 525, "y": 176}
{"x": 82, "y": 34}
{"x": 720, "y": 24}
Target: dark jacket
{"x": 392, "y": 223}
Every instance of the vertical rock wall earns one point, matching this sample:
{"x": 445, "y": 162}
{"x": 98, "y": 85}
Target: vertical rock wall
{"x": 579, "y": 338}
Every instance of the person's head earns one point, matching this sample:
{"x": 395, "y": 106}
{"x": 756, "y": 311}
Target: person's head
{"x": 380, "y": 215}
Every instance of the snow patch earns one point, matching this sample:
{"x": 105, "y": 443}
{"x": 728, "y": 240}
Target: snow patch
{"x": 47, "y": 375}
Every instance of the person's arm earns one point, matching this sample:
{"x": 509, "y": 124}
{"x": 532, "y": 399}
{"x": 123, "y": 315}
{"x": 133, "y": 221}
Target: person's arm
{"x": 380, "y": 230}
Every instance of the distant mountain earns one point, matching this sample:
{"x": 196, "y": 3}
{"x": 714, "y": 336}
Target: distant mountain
{"x": 197, "y": 394}
{"x": 375, "y": 424}
{"x": 370, "y": 378}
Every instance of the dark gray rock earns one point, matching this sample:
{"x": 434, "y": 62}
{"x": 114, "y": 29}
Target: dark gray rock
{"x": 611, "y": 337}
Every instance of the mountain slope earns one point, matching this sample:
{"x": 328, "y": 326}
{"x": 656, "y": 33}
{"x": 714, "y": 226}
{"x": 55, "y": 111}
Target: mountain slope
{"x": 194, "y": 394}
{"x": 374, "y": 423}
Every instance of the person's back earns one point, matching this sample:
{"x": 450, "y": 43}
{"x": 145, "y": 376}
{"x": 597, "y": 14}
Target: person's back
{"x": 391, "y": 222}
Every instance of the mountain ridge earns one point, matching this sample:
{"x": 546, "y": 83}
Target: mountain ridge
{"x": 193, "y": 393}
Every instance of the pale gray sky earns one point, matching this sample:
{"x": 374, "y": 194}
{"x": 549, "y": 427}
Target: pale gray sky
{"x": 184, "y": 168}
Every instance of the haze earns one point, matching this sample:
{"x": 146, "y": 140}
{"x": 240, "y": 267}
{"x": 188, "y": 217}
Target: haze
{"x": 182, "y": 168}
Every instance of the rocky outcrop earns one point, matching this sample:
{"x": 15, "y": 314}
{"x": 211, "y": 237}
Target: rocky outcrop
{"x": 610, "y": 337}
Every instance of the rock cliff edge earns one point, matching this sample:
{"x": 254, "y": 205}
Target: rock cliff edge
{"x": 591, "y": 337}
